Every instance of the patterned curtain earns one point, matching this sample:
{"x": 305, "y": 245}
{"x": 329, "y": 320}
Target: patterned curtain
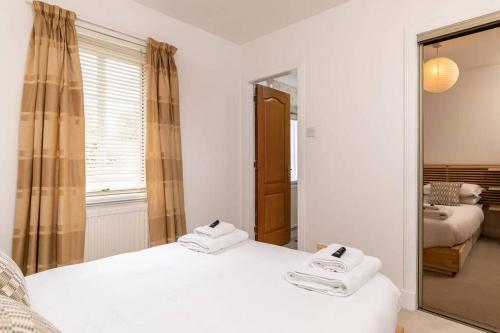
{"x": 164, "y": 179}
{"x": 49, "y": 228}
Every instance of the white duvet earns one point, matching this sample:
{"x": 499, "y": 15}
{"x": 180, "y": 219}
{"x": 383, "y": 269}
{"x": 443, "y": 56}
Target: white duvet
{"x": 456, "y": 229}
{"x": 172, "y": 289}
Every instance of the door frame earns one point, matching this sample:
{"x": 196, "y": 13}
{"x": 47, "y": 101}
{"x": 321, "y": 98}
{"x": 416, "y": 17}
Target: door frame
{"x": 248, "y": 149}
{"x": 411, "y": 148}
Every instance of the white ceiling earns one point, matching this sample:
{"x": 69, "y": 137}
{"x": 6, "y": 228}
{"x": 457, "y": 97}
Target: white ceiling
{"x": 471, "y": 51}
{"x": 240, "y": 21}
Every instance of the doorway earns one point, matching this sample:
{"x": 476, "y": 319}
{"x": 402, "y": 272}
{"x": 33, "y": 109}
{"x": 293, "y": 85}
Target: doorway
{"x": 276, "y": 160}
{"x": 460, "y": 174}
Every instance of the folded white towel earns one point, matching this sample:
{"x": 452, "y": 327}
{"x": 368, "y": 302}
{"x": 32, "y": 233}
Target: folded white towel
{"x": 333, "y": 283}
{"x": 323, "y": 259}
{"x": 430, "y": 207}
{"x": 220, "y": 229}
{"x": 441, "y": 213}
{"x": 201, "y": 243}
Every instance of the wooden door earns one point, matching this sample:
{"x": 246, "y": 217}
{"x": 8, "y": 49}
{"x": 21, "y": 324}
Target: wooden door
{"x": 272, "y": 166}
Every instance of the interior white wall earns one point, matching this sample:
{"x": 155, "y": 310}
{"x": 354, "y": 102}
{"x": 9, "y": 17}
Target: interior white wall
{"x": 210, "y": 97}
{"x": 360, "y": 65}
{"x": 358, "y": 85}
{"x": 462, "y": 125}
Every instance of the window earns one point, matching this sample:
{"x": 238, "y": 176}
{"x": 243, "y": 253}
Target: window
{"x": 114, "y": 99}
{"x": 293, "y": 150}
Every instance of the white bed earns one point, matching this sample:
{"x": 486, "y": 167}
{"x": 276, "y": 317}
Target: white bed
{"x": 171, "y": 289}
{"x": 459, "y": 227}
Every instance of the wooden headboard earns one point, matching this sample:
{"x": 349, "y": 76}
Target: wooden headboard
{"x": 487, "y": 176}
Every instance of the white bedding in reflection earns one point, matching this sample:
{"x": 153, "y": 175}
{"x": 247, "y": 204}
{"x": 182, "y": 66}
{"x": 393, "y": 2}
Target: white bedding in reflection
{"x": 456, "y": 229}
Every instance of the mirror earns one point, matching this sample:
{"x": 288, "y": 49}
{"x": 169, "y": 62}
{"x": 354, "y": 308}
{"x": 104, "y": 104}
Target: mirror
{"x": 460, "y": 273}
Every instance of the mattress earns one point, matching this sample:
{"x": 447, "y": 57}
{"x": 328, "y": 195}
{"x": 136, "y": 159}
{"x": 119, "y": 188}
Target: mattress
{"x": 459, "y": 227}
{"x": 171, "y": 289}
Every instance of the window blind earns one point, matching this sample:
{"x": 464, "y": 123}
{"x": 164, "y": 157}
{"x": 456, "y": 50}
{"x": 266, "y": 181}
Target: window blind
{"x": 114, "y": 100}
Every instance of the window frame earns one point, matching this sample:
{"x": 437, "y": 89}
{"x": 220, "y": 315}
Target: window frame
{"x": 132, "y": 194}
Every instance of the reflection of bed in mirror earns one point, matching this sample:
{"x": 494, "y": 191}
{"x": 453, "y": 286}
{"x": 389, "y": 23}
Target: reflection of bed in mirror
{"x": 448, "y": 242}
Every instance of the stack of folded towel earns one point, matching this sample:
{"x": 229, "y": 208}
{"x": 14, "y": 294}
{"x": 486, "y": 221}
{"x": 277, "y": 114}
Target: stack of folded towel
{"x": 213, "y": 237}
{"x": 334, "y": 276}
{"x": 436, "y": 212}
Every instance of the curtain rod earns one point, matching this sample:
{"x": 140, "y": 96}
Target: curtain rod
{"x": 103, "y": 30}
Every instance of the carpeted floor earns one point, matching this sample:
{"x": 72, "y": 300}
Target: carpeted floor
{"x": 474, "y": 292}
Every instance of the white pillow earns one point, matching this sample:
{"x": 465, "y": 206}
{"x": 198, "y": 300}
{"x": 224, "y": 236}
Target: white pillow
{"x": 472, "y": 200}
{"x": 426, "y": 199}
{"x": 467, "y": 190}
{"x": 470, "y": 190}
{"x": 427, "y": 189}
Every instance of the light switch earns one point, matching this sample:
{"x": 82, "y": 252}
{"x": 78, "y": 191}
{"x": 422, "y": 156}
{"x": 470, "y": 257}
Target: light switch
{"x": 311, "y": 132}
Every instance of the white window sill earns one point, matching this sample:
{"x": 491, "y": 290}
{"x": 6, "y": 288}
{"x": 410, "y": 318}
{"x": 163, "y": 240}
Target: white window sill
{"x": 95, "y": 200}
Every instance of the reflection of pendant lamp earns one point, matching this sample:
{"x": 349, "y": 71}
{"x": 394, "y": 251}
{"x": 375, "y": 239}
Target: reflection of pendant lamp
{"x": 440, "y": 73}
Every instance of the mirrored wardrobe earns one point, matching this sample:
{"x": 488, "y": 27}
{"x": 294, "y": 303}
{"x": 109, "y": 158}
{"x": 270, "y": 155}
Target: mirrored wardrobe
{"x": 460, "y": 178}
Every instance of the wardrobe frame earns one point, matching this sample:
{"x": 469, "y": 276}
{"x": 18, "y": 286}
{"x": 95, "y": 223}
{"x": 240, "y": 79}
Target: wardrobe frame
{"x": 452, "y": 31}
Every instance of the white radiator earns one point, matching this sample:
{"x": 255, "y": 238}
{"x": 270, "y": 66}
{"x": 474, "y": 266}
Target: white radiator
{"x": 115, "y": 228}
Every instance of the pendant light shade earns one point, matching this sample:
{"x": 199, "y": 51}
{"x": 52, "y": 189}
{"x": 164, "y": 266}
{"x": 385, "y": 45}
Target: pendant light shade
{"x": 440, "y": 74}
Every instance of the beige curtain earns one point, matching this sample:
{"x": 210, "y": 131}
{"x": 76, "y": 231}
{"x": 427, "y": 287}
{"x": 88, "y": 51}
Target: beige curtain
{"x": 49, "y": 228}
{"x": 164, "y": 181}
